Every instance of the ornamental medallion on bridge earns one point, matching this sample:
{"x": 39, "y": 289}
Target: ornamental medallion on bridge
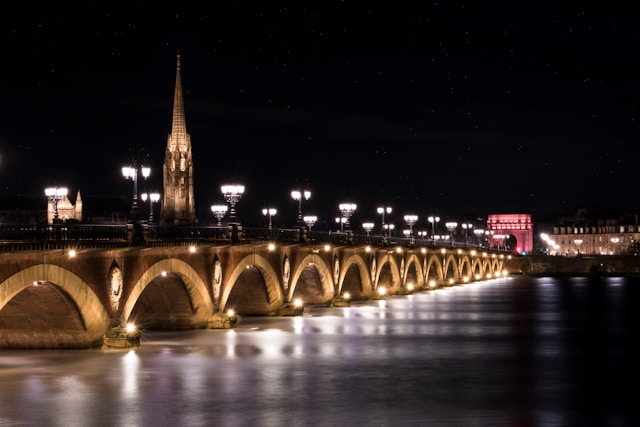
{"x": 217, "y": 278}
{"x": 115, "y": 287}
{"x": 286, "y": 273}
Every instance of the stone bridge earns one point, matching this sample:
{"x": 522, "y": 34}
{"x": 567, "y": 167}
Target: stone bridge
{"x": 63, "y": 298}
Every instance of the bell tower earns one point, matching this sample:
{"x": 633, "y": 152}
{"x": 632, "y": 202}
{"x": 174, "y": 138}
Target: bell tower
{"x": 178, "y": 205}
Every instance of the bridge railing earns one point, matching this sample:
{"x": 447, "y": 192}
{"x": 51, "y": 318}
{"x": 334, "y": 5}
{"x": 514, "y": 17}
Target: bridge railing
{"x": 15, "y": 237}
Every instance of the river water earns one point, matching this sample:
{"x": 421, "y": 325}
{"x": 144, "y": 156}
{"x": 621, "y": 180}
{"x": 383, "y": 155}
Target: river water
{"x": 507, "y": 352}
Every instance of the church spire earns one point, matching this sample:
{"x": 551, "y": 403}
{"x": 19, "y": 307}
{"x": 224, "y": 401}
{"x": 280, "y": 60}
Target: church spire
{"x": 179, "y": 126}
{"x": 178, "y": 206}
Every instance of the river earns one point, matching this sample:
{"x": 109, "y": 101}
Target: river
{"x": 507, "y": 352}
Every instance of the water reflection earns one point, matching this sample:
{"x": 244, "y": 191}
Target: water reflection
{"x": 504, "y": 352}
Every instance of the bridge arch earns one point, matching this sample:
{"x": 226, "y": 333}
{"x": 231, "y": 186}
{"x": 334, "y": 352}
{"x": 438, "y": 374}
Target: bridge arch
{"x": 434, "y": 268}
{"x": 413, "y": 262}
{"x": 324, "y": 272}
{"x": 388, "y": 264}
{"x": 93, "y": 314}
{"x": 451, "y": 270}
{"x": 363, "y": 269}
{"x": 201, "y": 302}
{"x": 269, "y": 275}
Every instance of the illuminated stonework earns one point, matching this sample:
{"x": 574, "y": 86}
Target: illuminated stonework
{"x": 503, "y": 228}
{"x": 178, "y": 206}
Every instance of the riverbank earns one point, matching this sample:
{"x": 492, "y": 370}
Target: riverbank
{"x": 581, "y": 265}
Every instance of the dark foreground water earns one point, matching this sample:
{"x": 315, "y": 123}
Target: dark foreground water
{"x": 509, "y": 352}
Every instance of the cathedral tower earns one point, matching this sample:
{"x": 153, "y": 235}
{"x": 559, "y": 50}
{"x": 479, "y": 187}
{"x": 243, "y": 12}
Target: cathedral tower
{"x": 178, "y": 205}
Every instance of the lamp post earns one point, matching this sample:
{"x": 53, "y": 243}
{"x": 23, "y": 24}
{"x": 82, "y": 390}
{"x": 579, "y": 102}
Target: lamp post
{"x": 218, "y": 212}
{"x": 466, "y": 227}
{"x": 451, "y": 226}
{"x": 232, "y": 194}
{"x": 433, "y": 220}
{"x": 389, "y": 227}
{"x": 578, "y": 242}
{"x": 341, "y": 221}
{"x": 479, "y": 232}
{"x": 298, "y": 195}
{"x": 153, "y": 197}
{"x": 269, "y": 212}
{"x": 422, "y": 234}
{"x": 410, "y": 220}
{"x": 382, "y": 210}
{"x": 368, "y": 226}
{"x": 55, "y": 194}
{"x": 310, "y": 220}
{"x": 347, "y": 209}
{"x": 131, "y": 172}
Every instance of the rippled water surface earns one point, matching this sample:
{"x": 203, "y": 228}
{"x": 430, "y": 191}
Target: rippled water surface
{"x": 510, "y": 352}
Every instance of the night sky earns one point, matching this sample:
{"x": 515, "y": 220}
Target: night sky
{"x": 450, "y": 108}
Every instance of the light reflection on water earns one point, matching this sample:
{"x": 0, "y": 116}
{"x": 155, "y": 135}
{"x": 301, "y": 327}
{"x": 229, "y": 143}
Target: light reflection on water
{"x": 511, "y": 352}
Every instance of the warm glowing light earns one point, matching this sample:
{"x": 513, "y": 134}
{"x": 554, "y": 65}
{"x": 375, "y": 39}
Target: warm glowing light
{"x": 272, "y": 246}
{"x": 346, "y": 295}
{"x": 478, "y": 276}
{"x": 192, "y": 249}
{"x": 297, "y": 302}
{"x": 410, "y": 286}
{"x": 131, "y": 328}
{"x": 451, "y": 281}
{"x": 164, "y": 274}
{"x": 72, "y": 253}
{"x": 327, "y": 248}
{"x": 465, "y": 279}
{"x": 230, "y": 312}
{"x": 432, "y": 283}
{"x": 382, "y": 290}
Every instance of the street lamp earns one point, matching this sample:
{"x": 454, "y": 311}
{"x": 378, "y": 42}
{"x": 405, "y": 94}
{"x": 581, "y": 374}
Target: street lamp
{"x": 219, "y": 211}
{"x": 310, "y": 220}
{"x": 269, "y": 212}
{"x": 451, "y": 226}
{"x": 298, "y": 195}
{"x": 368, "y": 226}
{"x": 433, "y": 220}
{"x": 341, "y": 221}
{"x": 55, "y": 194}
{"x": 232, "y": 194}
{"x": 131, "y": 172}
{"x": 389, "y": 227}
{"x": 153, "y": 197}
{"x": 479, "y": 232}
{"x": 466, "y": 226}
{"x": 578, "y": 242}
{"x": 382, "y": 210}
{"x": 347, "y": 209}
{"x": 410, "y": 220}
